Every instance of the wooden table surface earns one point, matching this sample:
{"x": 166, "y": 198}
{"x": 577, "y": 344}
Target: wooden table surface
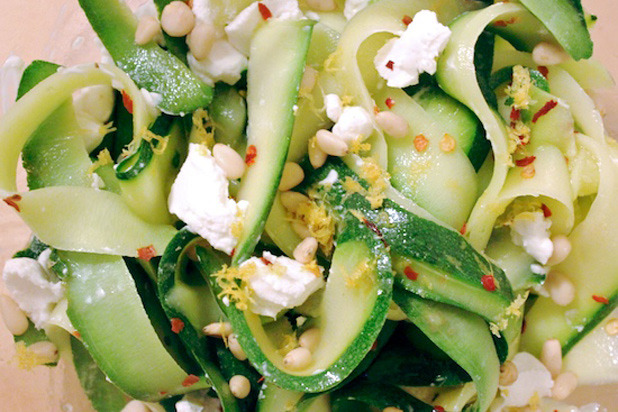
{"x": 57, "y": 30}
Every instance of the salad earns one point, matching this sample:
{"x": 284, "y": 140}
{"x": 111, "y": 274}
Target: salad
{"x": 395, "y": 205}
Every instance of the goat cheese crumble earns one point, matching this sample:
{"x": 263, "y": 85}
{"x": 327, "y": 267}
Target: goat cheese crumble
{"x": 531, "y": 230}
{"x": 223, "y": 63}
{"x": 333, "y": 106}
{"x": 533, "y": 378}
{"x": 200, "y": 198}
{"x": 354, "y": 124}
{"x": 280, "y": 283}
{"x": 401, "y": 60}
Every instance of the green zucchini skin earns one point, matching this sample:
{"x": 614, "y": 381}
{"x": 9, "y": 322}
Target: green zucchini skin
{"x": 378, "y": 395}
{"x": 228, "y": 112}
{"x": 151, "y": 67}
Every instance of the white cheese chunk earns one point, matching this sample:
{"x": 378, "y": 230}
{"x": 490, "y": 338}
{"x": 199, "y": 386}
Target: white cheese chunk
{"x": 198, "y": 402}
{"x": 35, "y": 290}
{"x": 200, "y": 198}
{"x": 354, "y": 6}
{"x": 330, "y": 179}
{"x": 533, "y": 378}
{"x": 401, "y": 60}
{"x": 223, "y": 63}
{"x": 531, "y": 230}
{"x": 284, "y": 283}
{"x": 333, "y": 106}
{"x": 353, "y": 124}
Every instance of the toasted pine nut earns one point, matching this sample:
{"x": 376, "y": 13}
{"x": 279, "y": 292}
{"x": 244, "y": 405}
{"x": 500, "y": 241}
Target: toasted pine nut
{"x": 301, "y": 229}
{"x": 310, "y": 339}
{"x": 235, "y": 348}
{"x": 14, "y": 318}
{"x": 201, "y": 39}
{"x": 611, "y": 327}
{"x": 148, "y": 28}
{"x": 392, "y": 124}
{"x": 560, "y": 288}
{"x": 564, "y": 385}
{"x": 508, "y": 373}
{"x": 177, "y": 19}
{"x": 392, "y": 409}
{"x": 229, "y": 160}
{"x": 217, "y": 329}
{"x": 551, "y": 356}
{"x": 298, "y": 358}
{"x": 306, "y": 250}
{"x": 292, "y": 200}
{"x": 45, "y": 350}
{"x": 547, "y": 54}
{"x": 135, "y": 406}
{"x": 562, "y": 248}
{"x": 307, "y": 83}
{"x": 317, "y": 156}
{"x": 240, "y": 386}
{"x": 292, "y": 176}
{"x": 331, "y": 144}
{"x": 321, "y": 5}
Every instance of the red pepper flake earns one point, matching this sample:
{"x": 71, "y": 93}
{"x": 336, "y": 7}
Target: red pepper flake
{"x": 464, "y": 228}
{"x": 410, "y": 273}
{"x": 389, "y": 102}
{"x": 190, "y": 380}
{"x": 406, "y": 20}
{"x": 546, "y": 210}
{"x": 233, "y": 252}
{"x": 163, "y": 393}
{"x": 77, "y": 335}
{"x": 504, "y": 23}
{"x": 250, "y": 155}
{"x": 438, "y": 408}
{"x": 266, "y": 261}
{"x": 127, "y": 102}
{"x": 488, "y": 283}
{"x": 372, "y": 226}
{"x": 177, "y": 325}
{"x": 600, "y": 299}
{"x": 261, "y": 379}
{"x": 544, "y": 71}
{"x": 376, "y": 109}
{"x": 146, "y": 253}
{"x": 12, "y": 201}
{"x": 523, "y": 326}
{"x": 515, "y": 114}
{"x": 525, "y": 161}
{"x": 390, "y": 64}
{"x": 264, "y": 11}
{"x": 374, "y": 346}
{"x": 544, "y": 110}
{"x": 421, "y": 143}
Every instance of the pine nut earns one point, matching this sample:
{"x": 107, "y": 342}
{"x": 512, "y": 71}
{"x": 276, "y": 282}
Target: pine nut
{"x": 306, "y": 250}
{"x": 560, "y": 288}
{"x": 298, "y": 358}
{"x": 240, "y": 386}
{"x": 321, "y": 5}
{"x": 307, "y": 83}
{"x": 393, "y": 124}
{"x": 508, "y": 373}
{"x": 564, "y": 385}
{"x": 301, "y": 229}
{"x": 45, "y": 350}
{"x": 331, "y": 144}
{"x": 135, "y": 406}
{"x": 14, "y": 318}
{"x": 177, "y": 19}
{"x": 611, "y": 327}
{"x": 229, "y": 160}
{"x": 292, "y": 176}
{"x": 317, "y": 156}
{"x": 217, "y": 329}
{"x": 547, "y": 54}
{"x": 201, "y": 39}
{"x": 562, "y": 248}
{"x": 148, "y": 28}
{"x": 551, "y": 356}
{"x": 310, "y": 339}
{"x": 292, "y": 200}
{"x": 392, "y": 409}
{"x": 235, "y": 347}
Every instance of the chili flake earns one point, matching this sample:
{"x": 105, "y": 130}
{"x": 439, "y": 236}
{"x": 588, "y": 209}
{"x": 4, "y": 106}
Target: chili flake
{"x": 464, "y": 228}
{"x": 410, "y": 273}
{"x": 438, "y": 408}
{"x": 12, "y": 201}
{"x": 264, "y": 11}
{"x": 528, "y": 172}
{"x": 600, "y": 299}
{"x": 389, "y": 102}
{"x": 390, "y": 64}
{"x": 77, "y": 335}
{"x": 448, "y": 143}
{"x": 420, "y": 143}
{"x": 146, "y": 253}
{"x": 504, "y": 23}
{"x": 525, "y": 161}
{"x": 546, "y": 210}
{"x": 177, "y": 325}
{"x": 266, "y": 261}
{"x": 190, "y": 380}
{"x": 250, "y": 155}
{"x": 544, "y": 110}
{"x": 372, "y": 226}
{"x": 233, "y": 252}
{"x": 374, "y": 346}
{"x": 544, "y": 71}
{"x": 261, "y": 379}
{"x": 489, "y": 283}
{"x": 406, "y": 20}
{"x": 515, "y": 114}
{"x": 127, "y": 102}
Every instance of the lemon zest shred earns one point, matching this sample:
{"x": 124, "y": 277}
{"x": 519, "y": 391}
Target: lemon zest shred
{"x": 103, "y": 158}
{"x": 233, "y": 284}
{"x": 361, "y": 275}
{"x": 319, "y": 221}
{"x": 313, "y": 268}
{"x": 358, "y": 147}
{"x": 203, "y": 128}
{"x": 519, "y": 89}
{"x": 27, "y": 359}
{"x": 377, "y": 179}
{"x": 152, "y": 137}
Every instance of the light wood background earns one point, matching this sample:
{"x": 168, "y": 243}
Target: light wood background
{"x": 57, "y": 30}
